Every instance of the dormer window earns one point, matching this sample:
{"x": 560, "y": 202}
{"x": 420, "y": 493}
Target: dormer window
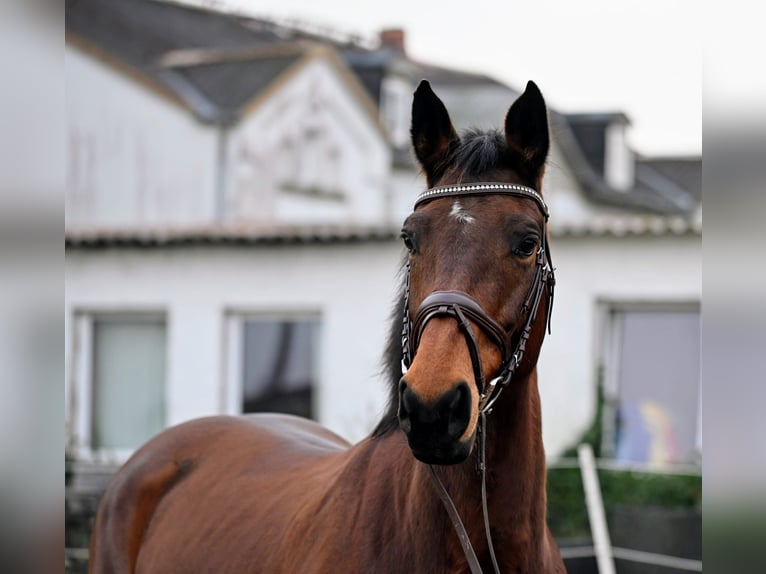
{"x": 602, "y": 137}
{"x": 619, "y": 160}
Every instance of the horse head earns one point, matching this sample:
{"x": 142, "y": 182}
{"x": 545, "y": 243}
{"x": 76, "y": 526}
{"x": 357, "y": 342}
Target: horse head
{"x": 478, "y": 266}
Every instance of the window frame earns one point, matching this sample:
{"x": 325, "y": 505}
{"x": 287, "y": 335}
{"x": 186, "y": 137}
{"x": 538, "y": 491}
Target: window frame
{"x": 610, "y": 329}
{"x": 233, "y": 363}
{"x": 81, "y": 372}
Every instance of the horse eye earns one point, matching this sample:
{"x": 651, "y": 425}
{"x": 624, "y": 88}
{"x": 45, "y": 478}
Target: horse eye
{"x": 526, "y": 247}
{"x": 407, "y": 242}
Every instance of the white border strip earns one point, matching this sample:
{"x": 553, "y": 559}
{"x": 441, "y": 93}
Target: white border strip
{"x": 601, "y": 542}
{"x": 657, "y": 559}
{"x": 574, "y": 552}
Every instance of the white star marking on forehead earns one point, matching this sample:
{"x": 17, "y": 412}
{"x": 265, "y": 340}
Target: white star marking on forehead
{"x": 459, "y": 214}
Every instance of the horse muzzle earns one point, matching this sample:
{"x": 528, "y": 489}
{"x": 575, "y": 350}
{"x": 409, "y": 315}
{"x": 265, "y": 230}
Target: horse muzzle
{"x": 435, "y": 430}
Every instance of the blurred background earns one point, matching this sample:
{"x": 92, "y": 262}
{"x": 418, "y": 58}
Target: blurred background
{"x": 236, "y": 178}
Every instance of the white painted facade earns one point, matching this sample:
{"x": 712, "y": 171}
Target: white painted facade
{"x": 351, "y": 287}
{"x": 197, "y": 291}
{"x": 309, "y": 153}
{"x": 124, "y": 171}
{"x": 595, "y": 275}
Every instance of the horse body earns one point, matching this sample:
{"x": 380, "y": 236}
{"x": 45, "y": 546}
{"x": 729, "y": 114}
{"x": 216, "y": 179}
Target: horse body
{"x": 297, "y": 498}
{"x": 279, "y": 494}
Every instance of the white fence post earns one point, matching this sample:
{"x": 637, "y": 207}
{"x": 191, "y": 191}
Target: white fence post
{"x": 601, "y": 542}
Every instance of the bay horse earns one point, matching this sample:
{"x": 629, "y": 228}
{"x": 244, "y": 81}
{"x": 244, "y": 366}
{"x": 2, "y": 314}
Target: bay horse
{"x": 453, "y": 477}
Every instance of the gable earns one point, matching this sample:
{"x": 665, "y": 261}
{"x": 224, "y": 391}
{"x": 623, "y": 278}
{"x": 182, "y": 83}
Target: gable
{"x": 134, "y": 158}
{"x": 309, "y": 151}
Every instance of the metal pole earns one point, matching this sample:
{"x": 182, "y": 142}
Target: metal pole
{"x": 601, "y": 542}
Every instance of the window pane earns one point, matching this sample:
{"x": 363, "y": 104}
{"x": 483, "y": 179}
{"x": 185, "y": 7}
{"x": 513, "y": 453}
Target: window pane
{"x": 658, "y": 387}
{"x": 279, "y": 366}
{"x": 128, "y": 382}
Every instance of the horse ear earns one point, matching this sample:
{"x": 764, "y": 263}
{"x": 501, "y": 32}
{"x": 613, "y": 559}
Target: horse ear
{"x": 526, "y": 129}
{"x": 432, "y": 131}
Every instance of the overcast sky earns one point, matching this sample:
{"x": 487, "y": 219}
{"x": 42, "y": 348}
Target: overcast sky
{"x": 640, "y": 57}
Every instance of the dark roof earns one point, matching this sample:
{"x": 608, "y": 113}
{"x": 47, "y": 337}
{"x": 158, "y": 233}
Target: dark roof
{"x": 227, "y": 234}
{"x": 670, "y": 186}
{"x": 213, "y": 63}
{"x": 685, "y": 172}
{"x": 586, "y": 118}
{"x": 590, "y": 131}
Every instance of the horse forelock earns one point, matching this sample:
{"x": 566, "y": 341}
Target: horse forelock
{"x": 481, "y": 155}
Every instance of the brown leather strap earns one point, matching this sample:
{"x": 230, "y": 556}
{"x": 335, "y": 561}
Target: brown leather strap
{"x": 441, "y": 298}
{"x": 482, "y": 432}
{"x": 449, "y": 506}
{"x": 443, "y": 303}
{"x": 457, "y": 523}
{"x": 473, "y": 346}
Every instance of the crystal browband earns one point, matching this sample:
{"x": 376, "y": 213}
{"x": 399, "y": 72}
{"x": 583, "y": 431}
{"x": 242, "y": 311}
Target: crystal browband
{"x": 480, "y": 189}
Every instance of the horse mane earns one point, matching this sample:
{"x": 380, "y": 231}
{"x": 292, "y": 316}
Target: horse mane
{"x": 392, "y": 364}
{"x": 476, "y": 153}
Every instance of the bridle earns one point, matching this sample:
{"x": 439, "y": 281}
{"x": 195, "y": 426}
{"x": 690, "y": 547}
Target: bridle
{"x": 462, "y": 307}
{"x": 466, "y": 310}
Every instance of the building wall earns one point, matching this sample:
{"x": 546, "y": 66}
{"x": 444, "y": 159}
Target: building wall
{"x": 125, "y": 171}
{"x": 196, "y": 288}
{"x": 593, "y": 274}
{"x": 308, "y": 154}
{"x": 351, "y": 287}
{"x": 134, "y": 157}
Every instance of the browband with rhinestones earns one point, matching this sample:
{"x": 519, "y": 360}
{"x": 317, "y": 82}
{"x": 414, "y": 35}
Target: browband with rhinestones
{"x": 482, "y": 188}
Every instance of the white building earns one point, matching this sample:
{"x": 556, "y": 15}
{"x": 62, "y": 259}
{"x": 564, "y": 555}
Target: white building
{"x": 234, "y": 198}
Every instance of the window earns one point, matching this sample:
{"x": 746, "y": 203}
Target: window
{"x": 120, "y": 383}
{"x": 652, "y": 384}
{"x": 273, "y": 364}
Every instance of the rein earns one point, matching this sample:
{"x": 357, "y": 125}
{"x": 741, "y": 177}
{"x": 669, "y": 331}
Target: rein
{"x": 466, "y": 310}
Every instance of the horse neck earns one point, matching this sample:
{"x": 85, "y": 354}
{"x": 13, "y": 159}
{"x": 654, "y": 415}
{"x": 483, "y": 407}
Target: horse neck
{"x": 515, "y": 458}
{"x": 515, "y": 453}
{"x": 515, "y": 483}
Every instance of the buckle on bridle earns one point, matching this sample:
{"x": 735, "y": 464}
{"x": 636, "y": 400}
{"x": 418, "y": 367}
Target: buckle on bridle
{"x": 488, "y": 397}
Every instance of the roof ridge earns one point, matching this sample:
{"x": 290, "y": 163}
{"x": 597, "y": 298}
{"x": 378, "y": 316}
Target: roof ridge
{"x": 189, "y": 57}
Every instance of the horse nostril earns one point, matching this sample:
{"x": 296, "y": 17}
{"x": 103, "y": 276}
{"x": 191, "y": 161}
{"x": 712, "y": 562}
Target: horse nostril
{"x": 458, "y": 396}
{"x": 405, "y": 396}
{"x": 445, "y": 419}
{"x": 458, "y": 409}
